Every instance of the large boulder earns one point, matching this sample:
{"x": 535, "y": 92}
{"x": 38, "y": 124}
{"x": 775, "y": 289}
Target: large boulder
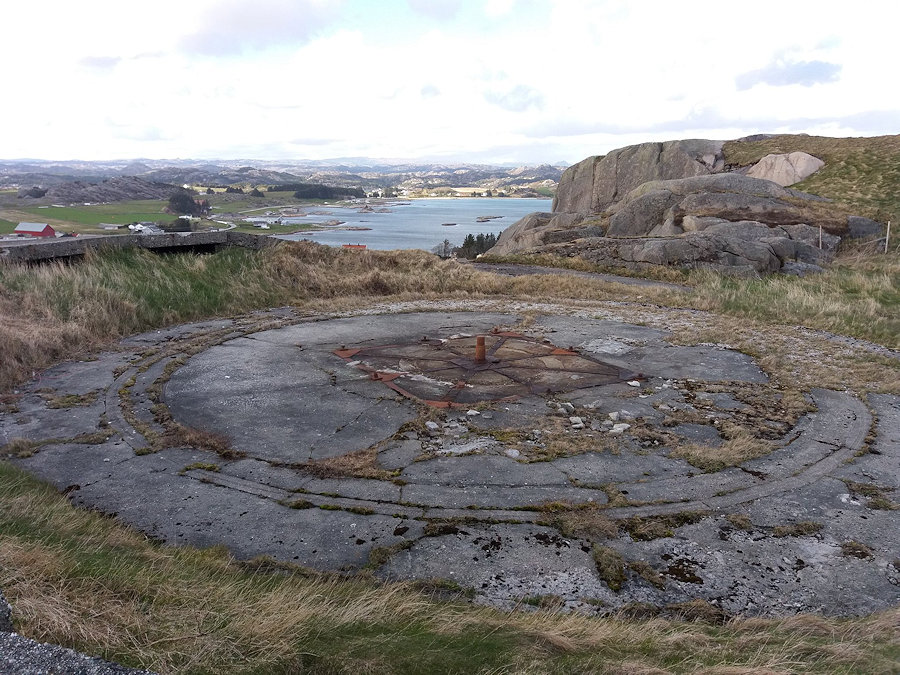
{"x": 672, "y": 207}
{"x": 595, "y": 183}
{"x": 786, "y": 169}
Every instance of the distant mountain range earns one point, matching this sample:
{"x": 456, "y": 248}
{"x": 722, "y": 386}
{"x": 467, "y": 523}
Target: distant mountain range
{"x": 367, "y": 174}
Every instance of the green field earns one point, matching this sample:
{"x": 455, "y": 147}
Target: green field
{"x": 120, "y": 213}
{"x": 7, "y": 226}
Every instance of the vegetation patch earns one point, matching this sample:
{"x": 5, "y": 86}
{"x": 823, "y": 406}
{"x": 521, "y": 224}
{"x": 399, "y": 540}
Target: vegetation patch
{"x": 610, "y": 566}
{"x": 71, "y": 400}
{"x": 547, "y": 601}
{"x": 740, "y": 446}
{"x": 740, "y": 522}
{"x": 855, "y": 549}
{"x": 646, "y": 528}
{"x": 300, "y": 504}
{"x": 210, "y": 441}
{"x": 21, "y": 447}
{"x": 204, "y": 466}
{"x": 586, "y": 522}
{"x": 876, "y": 496}
{"x": 358, "y": 464}
{"x": 801, "y": 529}
{"x": 646, "y": 572}
{"x": 379, "y": 555}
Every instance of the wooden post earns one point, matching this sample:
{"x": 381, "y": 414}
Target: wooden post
{"x": 887, "y": 237}
{"x": 820, "y": 236}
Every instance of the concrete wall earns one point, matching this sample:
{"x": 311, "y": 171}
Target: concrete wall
{"x": 68, "y": 247}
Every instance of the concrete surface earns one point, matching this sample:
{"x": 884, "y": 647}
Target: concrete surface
{"x": 474, "y": 494}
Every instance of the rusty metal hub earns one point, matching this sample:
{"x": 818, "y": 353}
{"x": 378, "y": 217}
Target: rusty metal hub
{"x": 463, "y": 370}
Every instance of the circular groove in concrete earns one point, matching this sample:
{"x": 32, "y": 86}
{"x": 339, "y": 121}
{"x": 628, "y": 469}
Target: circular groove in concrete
{"x": 452, "y": 502}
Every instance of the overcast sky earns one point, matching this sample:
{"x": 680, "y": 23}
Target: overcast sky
{"x": 523, "y": 81}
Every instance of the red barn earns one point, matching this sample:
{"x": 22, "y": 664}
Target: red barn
{"x": 35, "y": 229}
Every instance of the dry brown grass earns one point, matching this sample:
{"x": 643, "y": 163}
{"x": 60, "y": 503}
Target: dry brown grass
{"x": 585, "y": 521}
{"x": 358, "y": 464}
{"x": 740, "y": 446}
{"x": 211, "y": 441}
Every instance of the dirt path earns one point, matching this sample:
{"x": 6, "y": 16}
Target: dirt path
{"x": 522, "y": 270}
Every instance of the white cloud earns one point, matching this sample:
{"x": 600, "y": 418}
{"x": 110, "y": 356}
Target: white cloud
{"x": 549, "y": 80}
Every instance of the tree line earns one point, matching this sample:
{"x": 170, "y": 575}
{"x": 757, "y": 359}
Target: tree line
{"x": 315, "y": 191}
{"x": 471, "y": 248}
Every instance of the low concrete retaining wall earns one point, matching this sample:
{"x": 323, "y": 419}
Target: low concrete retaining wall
{"x": 68, "y": 247}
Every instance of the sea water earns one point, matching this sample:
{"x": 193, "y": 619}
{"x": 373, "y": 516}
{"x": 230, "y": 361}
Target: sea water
{"x": 417, "y": 223}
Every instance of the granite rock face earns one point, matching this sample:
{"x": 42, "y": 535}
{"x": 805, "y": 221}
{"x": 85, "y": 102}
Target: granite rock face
{"x": 670, "y": 208}
{"x": 595, "y": 183}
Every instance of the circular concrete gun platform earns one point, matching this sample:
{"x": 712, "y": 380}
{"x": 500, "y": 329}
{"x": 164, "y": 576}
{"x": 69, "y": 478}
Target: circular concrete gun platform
{"x": 565, "y": 459}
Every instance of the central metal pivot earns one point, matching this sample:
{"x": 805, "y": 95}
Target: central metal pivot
{"x": 479, "y": 349}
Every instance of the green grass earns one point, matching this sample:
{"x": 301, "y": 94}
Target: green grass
{"x": 861, "y": 172}
{"x": 858, "y": 295}
{"x": 7, "y": 226}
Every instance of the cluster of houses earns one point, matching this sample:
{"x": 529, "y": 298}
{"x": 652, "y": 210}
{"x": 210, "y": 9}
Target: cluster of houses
{"x": 42, "y": 230}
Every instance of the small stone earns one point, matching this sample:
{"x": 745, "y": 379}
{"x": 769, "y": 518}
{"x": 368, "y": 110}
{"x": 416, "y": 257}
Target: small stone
{"x": 619, "y": 428}
{"x": 568, "y": 407}
{"x": 106, "y": 459}
{"x": 432, "y": 426}
{"x": 511, "y": 452}
{"x": 580, "y": 425}
{"x": 576, "y": 420}
{"x": 473, "y": 413}
{"x": 614, "y": 416}
{"x": 634, "y": 383}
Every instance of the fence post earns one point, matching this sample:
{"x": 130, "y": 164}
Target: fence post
{"x": 887, "y": 237}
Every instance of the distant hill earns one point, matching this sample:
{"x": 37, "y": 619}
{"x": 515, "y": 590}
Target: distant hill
{"x": 863, "y": 173}
{"x": 109, "y": 190}
{"x": 360, "y": 173}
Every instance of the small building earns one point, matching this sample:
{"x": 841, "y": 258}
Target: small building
{"x": 35, "y": 229}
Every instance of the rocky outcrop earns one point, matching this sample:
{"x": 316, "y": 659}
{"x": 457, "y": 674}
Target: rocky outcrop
{"x": 535, "y": 230}
{"x": 749, "y": 249}
{"x": 595, "y": 183}
{"x": 786, "y": 169}
{"x": 677, "y": 203}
